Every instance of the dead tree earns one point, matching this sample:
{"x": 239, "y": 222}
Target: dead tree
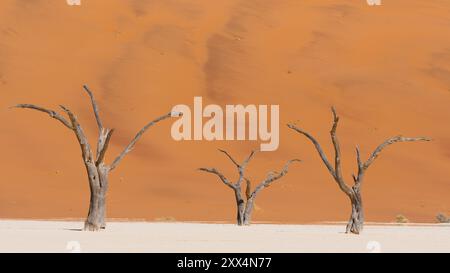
{"x": 356, "y": 221}
{"x": 97, "y": 170}
{"x": 245, "y": 206}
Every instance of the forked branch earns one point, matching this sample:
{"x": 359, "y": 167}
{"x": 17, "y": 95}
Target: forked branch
{"x": 335, "y": 171}
{"x": 240, "y": 167}
{"x": 81, "y": 136}
{"x": 103, "y": 144}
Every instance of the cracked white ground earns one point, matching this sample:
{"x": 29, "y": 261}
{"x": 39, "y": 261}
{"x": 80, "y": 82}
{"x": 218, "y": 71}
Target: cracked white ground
{"x": 66, "y": 236}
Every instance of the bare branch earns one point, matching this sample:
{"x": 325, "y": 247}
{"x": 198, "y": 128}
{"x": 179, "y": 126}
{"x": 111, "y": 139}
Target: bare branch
{"x": 245, "y": 206}
{"x": 138, "y": 136}
{"x": 51, "y": 113}
{"x": 273, "y": 176}
{"x": 82, "y": 139}
{"x": 95, "y": 108}
{"x": 248, "y": 188}
{"x": 358, "y": 157}
{"x": 335, "y": 119}
{"x": 244, "y": 164}
{"x": 104, "y": 145}
{"x": 388, "y": 142}
{"x": 220, "y": 175}
{"x": 337, "y": 149}
{"x": 240, "y": 167}
{"x": 358, "y": 178}
{"x": 230, "y": 157}
{"x": 278, "y": 175}
{"x": 337, "y": 177}
{"x": 247, "y": 160}
{"x": 318, "y": 148}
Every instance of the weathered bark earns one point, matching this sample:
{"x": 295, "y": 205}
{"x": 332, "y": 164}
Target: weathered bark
{"x": 97, "y": 170}
{"x": 356, "y": 221}
{"x": 96, "y": 218}
{"x": 248, "y": 211}
{"x": 245, "y": 206}
{"x": 97, "y": 207}
{"x": 250, "y": 202}
{"x": 240, "y": 206}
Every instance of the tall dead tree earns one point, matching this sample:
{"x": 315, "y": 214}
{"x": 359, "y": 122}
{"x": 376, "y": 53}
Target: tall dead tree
{"x": 356, "y": 221}
{"x": 97, "y": 170}
{"x": 245, "y": 206}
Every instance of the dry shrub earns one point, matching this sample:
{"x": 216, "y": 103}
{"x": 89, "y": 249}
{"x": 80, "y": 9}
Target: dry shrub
{"x": 401, "y": 219}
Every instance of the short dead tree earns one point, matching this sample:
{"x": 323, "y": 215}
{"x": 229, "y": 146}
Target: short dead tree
{"x": 245, "y": 206}
{"x": 356, "y": 221}
{"x": 97, "y": 170}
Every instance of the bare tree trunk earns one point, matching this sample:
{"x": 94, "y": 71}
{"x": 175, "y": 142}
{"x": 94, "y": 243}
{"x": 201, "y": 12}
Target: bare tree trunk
{"x": 98, "y": 185}
{"x": 248, "y": 211}
{"x": 96, "y": 169}
{"x": 96, "y": 216}
{"x": 245, "y": 207}
{"x": 240, "y": 203}
{"x": 103, "y": 172}
{"x": 356, "y": 222}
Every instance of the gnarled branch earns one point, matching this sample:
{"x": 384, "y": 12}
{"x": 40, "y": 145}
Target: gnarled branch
{"x": 337, "y": 176}
{"x": 248, "y": 188}
{"x": 337, "y": 149}
{"x": 94, "y": 107}
{"x": 104, "y": 140}
{"x": 51, "y": 113}
{"x": 240, "y": 167}
{"x": 318, "y": 147}
{"x": 81, "y": 136}
{"x": 220, "y": 175}
{"x": 247, "y": 160}
{"x": 138, "y": 136}
{"x": 359, "y": 177}
{"x": 104, "y": 134}
{"x": 272, "y": 177}
{"x": 230, "y": 157}
{"x": 388, "y": 142}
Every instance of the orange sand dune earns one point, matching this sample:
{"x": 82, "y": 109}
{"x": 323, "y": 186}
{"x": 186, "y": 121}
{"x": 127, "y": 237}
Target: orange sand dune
{"x": 385, "y": 68}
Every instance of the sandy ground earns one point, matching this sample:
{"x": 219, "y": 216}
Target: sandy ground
{"x": 52, "y": 236}
{"x": 385, "y": 68}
